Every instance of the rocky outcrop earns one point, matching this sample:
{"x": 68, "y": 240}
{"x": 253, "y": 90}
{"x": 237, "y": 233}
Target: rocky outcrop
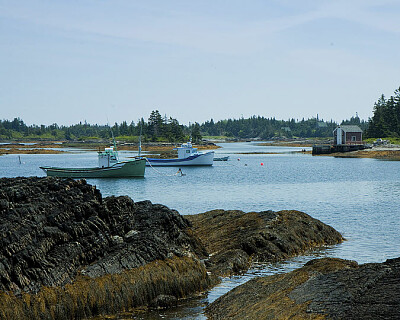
{"x": 235, "y": 238}
{"x": 67, "y": 253}
{"x": 325, "y": 288}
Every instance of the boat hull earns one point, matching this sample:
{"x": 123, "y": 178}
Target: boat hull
{"x": 123, "y": 169}
{"x": 203, "y": 159}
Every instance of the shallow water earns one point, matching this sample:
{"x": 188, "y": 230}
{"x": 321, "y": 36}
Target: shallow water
{"x": 358, "y": 197}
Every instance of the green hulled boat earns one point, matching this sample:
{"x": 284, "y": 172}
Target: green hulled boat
{"x": 109, "y": 167}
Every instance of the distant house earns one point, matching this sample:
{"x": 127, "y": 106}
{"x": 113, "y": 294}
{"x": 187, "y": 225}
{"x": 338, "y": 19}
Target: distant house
{"x": 347, "y": 134}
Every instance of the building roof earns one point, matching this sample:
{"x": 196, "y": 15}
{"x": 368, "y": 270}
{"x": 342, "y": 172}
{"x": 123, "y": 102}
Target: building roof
{"x": 350, "y": 128}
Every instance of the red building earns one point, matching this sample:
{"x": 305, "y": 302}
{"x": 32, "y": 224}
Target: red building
{"x": 347, "y": 134}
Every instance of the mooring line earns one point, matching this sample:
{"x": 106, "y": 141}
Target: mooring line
{"x": 159, "y": 172}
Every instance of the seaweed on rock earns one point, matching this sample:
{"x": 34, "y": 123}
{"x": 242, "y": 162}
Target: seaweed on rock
{"x": 66, "y": 253}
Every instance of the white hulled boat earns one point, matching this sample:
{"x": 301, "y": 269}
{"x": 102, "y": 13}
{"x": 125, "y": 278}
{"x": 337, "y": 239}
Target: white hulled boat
{"x": 187, "y": 156}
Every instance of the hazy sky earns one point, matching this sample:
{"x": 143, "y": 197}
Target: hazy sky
{"x": 67, "y": 61}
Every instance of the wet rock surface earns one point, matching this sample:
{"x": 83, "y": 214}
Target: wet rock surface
{"x": 325, "y": 288}
{"x": 234, "y": 238}
{"x": 370, "y": 291}
{"x": 51, "y": 228}
{"x": 66, "y": 252}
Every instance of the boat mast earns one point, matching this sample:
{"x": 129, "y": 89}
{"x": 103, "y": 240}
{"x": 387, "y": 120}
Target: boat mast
{"x": 115, "y": 145}
{"x": 140, "y": 140}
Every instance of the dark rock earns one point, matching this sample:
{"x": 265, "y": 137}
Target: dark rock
{"x": 370, "y": 291}
{"x": 66, "y": 252}
{"x": 324, "y": 288}
{"x": 233, "y": 238}
{"x": 53, "y": 231}
{"x": 57, "y": 227}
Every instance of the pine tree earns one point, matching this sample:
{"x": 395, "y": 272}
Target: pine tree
{"x": 196, "y": 135}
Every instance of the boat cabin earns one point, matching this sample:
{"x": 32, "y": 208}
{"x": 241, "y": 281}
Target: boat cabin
{"x": 347, "y": 134}
{"x": 108, "y": 157}
{"x": 186, "y": 150}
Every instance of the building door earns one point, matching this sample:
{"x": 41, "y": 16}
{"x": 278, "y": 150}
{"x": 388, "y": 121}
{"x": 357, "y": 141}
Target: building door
{"x": 339, "y": 136}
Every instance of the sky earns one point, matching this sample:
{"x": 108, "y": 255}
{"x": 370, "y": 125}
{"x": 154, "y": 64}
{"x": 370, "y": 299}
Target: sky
{"x": 100, "y": 61}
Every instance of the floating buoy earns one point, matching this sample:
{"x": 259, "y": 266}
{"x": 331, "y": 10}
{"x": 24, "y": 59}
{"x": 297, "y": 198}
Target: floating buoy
{"x": 238, "y": 159}
{"x": 262, "y": 163}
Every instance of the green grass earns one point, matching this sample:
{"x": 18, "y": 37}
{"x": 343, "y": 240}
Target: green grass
{"x": 131, "y": 139}
{"x": 392, "y": 140}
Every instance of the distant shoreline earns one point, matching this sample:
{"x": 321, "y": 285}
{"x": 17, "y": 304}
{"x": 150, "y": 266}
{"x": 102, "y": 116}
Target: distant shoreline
{"x": 384, "y": 152}
{"x": 51, "y": 147}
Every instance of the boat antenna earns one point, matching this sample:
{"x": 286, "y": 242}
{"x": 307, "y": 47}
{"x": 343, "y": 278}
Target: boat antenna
{"x": 112, "y": 134}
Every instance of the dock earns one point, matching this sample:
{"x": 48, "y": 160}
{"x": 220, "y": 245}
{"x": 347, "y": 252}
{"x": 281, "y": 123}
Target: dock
{"x": 327, "y": 148}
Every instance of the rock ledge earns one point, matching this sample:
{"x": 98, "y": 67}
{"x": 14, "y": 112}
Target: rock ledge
{"x": 235, "y": 238}
{"x": 67, "y": 253}
{"x": 325, "y": 288}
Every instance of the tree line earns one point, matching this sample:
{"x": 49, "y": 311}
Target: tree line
{"x": 385, "y": 121}
{"x": 267, "y": 128}
{"x": 157, "y": 128}
{"x": 160, "y": 128}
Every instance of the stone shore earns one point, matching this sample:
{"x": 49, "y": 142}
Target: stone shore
{"x": 68, "y": 253}
{"x": 325, "y": 288}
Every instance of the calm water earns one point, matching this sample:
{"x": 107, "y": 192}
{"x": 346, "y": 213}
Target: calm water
{"x": 358, "y": 197}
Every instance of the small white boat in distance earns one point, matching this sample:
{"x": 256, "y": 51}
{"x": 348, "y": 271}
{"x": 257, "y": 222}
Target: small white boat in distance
{"x": 187, "y": 156}
{"x": 222, "y": 158}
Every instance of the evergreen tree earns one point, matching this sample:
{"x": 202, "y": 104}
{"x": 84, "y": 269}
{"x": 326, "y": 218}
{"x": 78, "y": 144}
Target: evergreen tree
{"x": 196, "y": 135}
{"x": 386, "y": 119}
{"x": 156, "y": 125}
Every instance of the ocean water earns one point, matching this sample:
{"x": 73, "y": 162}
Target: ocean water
{"x": 358, "y": 197}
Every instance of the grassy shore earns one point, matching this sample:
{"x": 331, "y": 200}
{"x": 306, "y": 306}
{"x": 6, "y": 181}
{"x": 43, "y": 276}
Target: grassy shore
{"x": 52, "y": 147}
{"x": 299, "y": 143}
{"x": 382, "y": 153}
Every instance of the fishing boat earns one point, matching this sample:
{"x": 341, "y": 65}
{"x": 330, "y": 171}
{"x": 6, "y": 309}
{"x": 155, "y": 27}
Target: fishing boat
{"x": 109, "y": 167}
{"x": 187, "y": 156}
